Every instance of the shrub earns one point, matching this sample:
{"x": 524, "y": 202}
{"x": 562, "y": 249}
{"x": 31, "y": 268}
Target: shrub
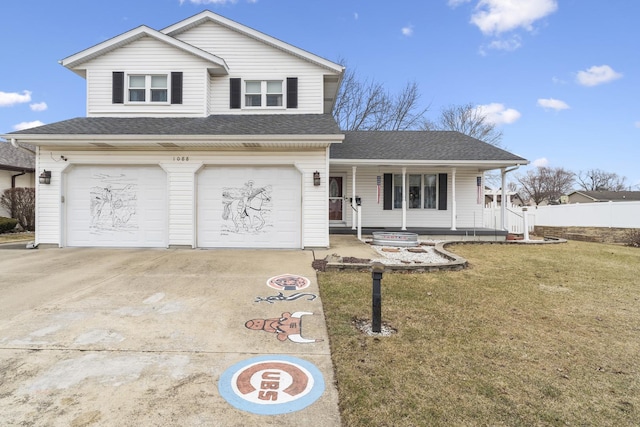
{"x": 7, "y": 224}
{"x": 632, "y": 238}
{"x": 21, "y": 204}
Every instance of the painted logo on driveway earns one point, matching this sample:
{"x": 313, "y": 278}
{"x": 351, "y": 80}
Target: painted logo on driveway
{"x": 271, "y": 385}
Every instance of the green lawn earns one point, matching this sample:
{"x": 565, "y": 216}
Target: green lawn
{"x": 531, "y": 335}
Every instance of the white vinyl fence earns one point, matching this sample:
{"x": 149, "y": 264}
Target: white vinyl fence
{"x": 607, "y": 214}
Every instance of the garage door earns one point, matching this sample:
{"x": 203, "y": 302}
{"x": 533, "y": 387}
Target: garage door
{"x": 249, "y": 207}
{"x": 109, "y": 206}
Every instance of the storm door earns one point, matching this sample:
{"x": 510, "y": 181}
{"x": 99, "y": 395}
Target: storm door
{"x": 336, "y": 198}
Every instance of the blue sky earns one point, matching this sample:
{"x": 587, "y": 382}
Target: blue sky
{"x": 560, "y": 77}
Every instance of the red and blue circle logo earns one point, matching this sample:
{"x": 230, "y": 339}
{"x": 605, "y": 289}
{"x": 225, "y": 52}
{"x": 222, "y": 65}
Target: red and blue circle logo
{"x": 271, "y": 385}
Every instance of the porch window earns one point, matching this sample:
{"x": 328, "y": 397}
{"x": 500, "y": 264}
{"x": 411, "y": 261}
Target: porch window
{"x": 422, "y": 191}
{"x": 397, "y": 191}
{"x": 430, "y": 191}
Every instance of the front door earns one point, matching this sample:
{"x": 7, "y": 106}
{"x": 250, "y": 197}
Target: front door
{"x": 336, "y": 198}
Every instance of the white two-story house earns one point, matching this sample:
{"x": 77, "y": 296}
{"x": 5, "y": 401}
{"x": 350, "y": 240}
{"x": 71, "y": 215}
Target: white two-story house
{"x": 211, "y": 134}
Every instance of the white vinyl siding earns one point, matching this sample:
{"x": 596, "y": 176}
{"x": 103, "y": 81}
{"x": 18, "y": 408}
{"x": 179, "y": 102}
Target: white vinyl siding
{"x": 373, "y": 214}
{"x": 250, "y": 59}
{"x": 181, "y": 169}
{"x": 147, "y": 56}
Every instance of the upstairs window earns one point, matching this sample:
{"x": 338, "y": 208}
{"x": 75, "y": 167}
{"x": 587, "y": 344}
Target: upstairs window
{"x": 148, "y": 88}
{"x": 265, "y": 93}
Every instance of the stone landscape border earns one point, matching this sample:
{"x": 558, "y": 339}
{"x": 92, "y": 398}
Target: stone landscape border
{"x": 335, "y": 263}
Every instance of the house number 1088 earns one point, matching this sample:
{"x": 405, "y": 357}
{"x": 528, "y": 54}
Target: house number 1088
{"x": 181, "y": 159}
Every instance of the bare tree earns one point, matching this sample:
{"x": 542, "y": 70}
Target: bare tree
{"x": 366, "y": 105}
{"x": 469, "y": 120}
{"x": 546, "y": 184}
{"x": 599, "y": 180}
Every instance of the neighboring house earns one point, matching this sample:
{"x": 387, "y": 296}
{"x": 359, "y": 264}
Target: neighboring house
{"x": 211, "y": 134}
{"x": 17, "y": 167}
{"x": 494, "y": 197}
{"x": 603, "y": 196}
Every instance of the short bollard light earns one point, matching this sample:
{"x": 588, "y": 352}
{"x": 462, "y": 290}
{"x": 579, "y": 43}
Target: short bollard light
{"x": 377, "y": 268}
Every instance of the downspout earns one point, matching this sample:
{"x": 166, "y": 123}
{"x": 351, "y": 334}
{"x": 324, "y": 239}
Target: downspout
{"x": 503, "y": 205}
{"x": 13, "y": 178}
{"x": 16, "y": 145}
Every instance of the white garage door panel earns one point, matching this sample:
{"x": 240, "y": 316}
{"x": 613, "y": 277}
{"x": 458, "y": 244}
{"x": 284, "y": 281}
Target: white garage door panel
{"x": 111, "y": 206}
{"x": 249, "y": 207}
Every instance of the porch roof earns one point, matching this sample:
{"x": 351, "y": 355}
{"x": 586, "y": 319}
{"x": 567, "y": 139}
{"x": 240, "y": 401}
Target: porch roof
{"x": 420, "y": 147}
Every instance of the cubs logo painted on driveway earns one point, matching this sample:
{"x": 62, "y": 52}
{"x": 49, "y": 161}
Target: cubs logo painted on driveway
{"x": 271, "y": 385}
{"x": 288, "y": 282}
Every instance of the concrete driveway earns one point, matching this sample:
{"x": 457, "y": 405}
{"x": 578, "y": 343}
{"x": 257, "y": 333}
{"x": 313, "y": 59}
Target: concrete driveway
{"x": 175, "y": 337}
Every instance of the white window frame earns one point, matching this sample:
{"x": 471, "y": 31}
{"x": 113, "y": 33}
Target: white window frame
{"x": 147, "y": 87}
{"x": 264, "y": 94}
{"x": 397, "y": 203}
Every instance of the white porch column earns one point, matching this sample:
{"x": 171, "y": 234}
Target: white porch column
{"x": 503, "y": 204}
{"x": 454, "y": 208}
{"x": 354, "y": 214}
{"x": 404, "y": 198}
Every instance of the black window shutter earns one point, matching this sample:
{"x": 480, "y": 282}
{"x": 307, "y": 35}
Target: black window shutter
{"x": 117, "y": 88}
{"x": 388, "y": 192}
{"x": 235, "y": 95}
{"x": 176, "y": 87}
{"x": 442, "y": 191}
{"x": 292, "y": 92}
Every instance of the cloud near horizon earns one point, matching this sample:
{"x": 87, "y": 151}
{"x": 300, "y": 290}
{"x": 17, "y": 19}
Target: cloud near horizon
{"x": 597, "y": 75}
{"x": 541, "y": 162}
{"x": 553, "y": 104}
{"x": 498, "y": 114}
{"x": 28, "y": 125}
{"x": 9, "y": 99}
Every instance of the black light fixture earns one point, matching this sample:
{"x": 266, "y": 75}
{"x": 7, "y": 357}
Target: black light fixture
{"x": 45, "y": 177}
{"x": 316, "y": 178}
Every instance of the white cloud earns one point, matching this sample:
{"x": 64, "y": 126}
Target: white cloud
{"x": 456, "y": 3}
{"x": 597, "y": 75}
{"x": 499, "y": 16}
{"x": 27, "y": 125}
{"x": 558, "y": 80}
{"x": 8, "y": 99}
{"x": 407, "y": 31}
{"x": 552, "y": 104}
{"x": 40, "y": 106}
{"x": 638, "y": 124}
{"x": 509, "y": 44}
{"x": 356, "y": 16}
{"x": 498, "y": 114}
{"x": 540, "y": 163}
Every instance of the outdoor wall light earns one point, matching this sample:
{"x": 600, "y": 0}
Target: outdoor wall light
{"x": 316, "y": 178}
{"x": 45, "y": 177}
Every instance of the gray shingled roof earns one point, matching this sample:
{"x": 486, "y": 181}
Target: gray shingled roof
{"x": 614, "y": 196}
{"x": 417, "y": 145}
{"x": 256, "y": 124}
{"x": 14, "y": 159}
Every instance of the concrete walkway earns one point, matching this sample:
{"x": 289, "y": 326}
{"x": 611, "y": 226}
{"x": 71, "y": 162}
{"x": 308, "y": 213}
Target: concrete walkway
{"x": 163, "y": 337}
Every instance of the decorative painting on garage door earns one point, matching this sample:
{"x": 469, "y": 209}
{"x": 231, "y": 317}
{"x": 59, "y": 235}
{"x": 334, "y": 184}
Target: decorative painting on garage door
{"x": 113, "y": 203}
{"x": 247, "y": 209}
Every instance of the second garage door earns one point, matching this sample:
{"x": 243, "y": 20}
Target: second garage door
{"x": 249, "y": 207}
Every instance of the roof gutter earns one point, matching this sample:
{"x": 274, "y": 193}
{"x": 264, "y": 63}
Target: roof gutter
{"x": 15, "y": 144}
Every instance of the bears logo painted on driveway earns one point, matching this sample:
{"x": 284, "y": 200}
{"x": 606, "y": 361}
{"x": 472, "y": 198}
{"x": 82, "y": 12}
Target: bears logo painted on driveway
{"x": 288, "y": 282}
{"x": 271, "y": 385}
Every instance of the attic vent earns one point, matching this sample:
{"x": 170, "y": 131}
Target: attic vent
{"x": 167, "y": 145}
{"x": 251, "y": 145}
{"x": 102, "y": 144}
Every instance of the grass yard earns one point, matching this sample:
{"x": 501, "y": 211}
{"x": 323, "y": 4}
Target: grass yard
{"x": 537, "y": 335}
